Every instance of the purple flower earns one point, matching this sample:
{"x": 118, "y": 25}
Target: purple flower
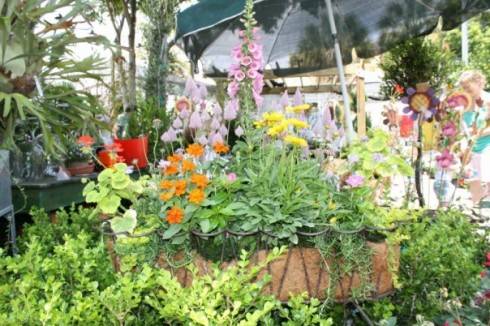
{"x": 223, "y": 131}
{"x": 215, "y": 124}
{"x": 195, "y": 121}
{"x": 256, "y": 65}
{"x": 231, "y": 110}
{"x": 298, "y": 97}
{"x": 216, "y": 138}
{"x": 445, "y": 160}
{"x": 449, "y": 129}
{"x": 217, "y": 110}
{"x": 169, "y": 136}
{"x": 205, "y": 116}
{"x": 284, "y": 99}
{"x": 231, "y": 177}
{"x": 378, "y": 157}
{"x": 177, "y": 124}
{"x": 355, "y": 180}
{"x": 239, "y": 131}
{"x": 190, "y": 85}
{"x": 162, "y": 164}
{"x": 184, "y": 113}
{"x": 353, "y": 158}
{"x": 203, "y": 140}
{"x": 252, "y": 74}
{"x": 237, "y": 56}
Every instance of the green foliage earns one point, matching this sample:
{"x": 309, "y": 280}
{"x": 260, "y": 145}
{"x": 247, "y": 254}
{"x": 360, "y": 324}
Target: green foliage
{"x": 479, "y": 43}
{"x": 70, "y": 280}
{"x": 442, "y": 253}
{"x": 415, "y": 61}
{"x": 114, "y": 185}
{"x": 33, "y": 46}
{"x": 375, "y": 158}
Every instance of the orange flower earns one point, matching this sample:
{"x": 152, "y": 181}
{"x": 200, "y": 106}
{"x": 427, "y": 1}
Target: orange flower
{"x": 199, "y": 180}
{"x": 166, "y": 184}
{"x": 195, "y": 150}
{"x": 165, "y": 196}
{"x": 175, "y": 215}
{"x": 188, "y": 166}
{"x": 196, "y": 196}
{"x": 171, "y": 169}
{"x": 175, "y": 158}
{"x": 221, "y": 148}
{"x": 85, "y": 141}
{"x": 180, "y": 187}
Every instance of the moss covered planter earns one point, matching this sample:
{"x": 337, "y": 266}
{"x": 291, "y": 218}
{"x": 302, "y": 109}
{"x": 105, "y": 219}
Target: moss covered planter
{"x": 303, "y": 269}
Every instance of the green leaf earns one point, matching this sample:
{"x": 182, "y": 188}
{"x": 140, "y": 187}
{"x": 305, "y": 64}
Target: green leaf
{"x": 199, "y": 317}
{"x": 120, "y": 181}
{"x": 205, "y": 226}
{"x": 126, "y": 223}
{"x": 171, "y": 231}
{"x": 110, "y": 204}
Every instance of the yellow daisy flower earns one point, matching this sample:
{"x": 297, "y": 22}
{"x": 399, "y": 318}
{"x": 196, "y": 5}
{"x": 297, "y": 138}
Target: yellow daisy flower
{"x": 296, "y": 141}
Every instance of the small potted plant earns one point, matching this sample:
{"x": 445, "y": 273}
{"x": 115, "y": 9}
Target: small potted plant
{"x": 78, "y": 162}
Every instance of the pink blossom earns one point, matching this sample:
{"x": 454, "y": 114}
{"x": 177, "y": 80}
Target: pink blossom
{"x": 449, "y": 129}
{"x": 162, "y": 164}
{"x": 254, "y": 47}
{"x": 258, "y": 84}
{"x": 223, "y": 131}
{"x": 190, "y": 85}
{"x": 231, "y": 177}
{"x": 241, "y": 33}
{"x": 284, "y": 99}
{"x": 217, "y": 110}
{"x": 169, "y": 136}
{"x": 246, "y": 61}
{"x": 177, "y": 124}
{"x": 234, "y": 68}
{"x": 184, "y": 113}
{"x": 233, "y": 88}
{"x": 252, "y": 74}
{"x": 216, "y": 138}
{"x": 203, "y": 140}
{"x": 215, "y": 124}
{"x": 445, "y": 160}
{"x": 239, "y": 76}
{"x": 239, "y": 131}
{"x": 355, "y": 180}
{"x": 256, "y": 65}
{"x": 195, "y": 121}
{"x": 259, "y": 100}
{"x": 205, "y": 116}
{"x": 298, "y": 97}
{"x": 237, "y": 56}
{"x": 230, "y": 112}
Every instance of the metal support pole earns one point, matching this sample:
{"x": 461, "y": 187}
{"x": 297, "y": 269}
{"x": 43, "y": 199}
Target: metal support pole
{"x": 340, "y": 69}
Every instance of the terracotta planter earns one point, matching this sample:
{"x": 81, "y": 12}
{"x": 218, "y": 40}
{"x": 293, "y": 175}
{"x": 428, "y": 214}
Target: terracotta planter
{"x": 134, "y": 151}
{"x": 80, "y": 168}
{"x": 303, "y": 270}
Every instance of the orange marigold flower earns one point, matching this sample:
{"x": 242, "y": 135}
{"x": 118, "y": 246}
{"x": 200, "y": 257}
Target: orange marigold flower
{"x": 199, "y": 180}
{"x": 195, "y": 150}
{"x": 171, "y": 169}
{"x": 180, "y": 187}
{"x": 175, "y": 158}
{"x": 165, "y": 196}
{"x": 85, "y": 141}
{"x": 166, "y": 184}
{"x": 221, "y": 148}
{"x": 196, "y": 196}
{"x": 188, "y": 166}
{"x": 175, "y": 215}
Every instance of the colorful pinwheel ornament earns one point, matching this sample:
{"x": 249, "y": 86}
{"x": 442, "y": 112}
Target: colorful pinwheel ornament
{"x": 420, "y": 103}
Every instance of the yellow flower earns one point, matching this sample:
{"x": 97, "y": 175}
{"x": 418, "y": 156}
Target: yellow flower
{"x": 298, "y": 108}
{"x": 333, "y": 220}
{"x": 277, "y": 129}
{"x": 296, "y": 141}
{"x": 297, "y": 123}
{"x": 273, "y": 116}
{"x": 331, "y": 205}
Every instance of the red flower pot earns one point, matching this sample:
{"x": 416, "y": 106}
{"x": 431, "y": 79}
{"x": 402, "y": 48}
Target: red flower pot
{"x": 107, "y": 158}
{"x": 134, "y": 151}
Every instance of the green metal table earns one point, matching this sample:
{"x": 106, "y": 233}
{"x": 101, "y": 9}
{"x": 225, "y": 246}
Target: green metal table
{"x": 48, "y": 193}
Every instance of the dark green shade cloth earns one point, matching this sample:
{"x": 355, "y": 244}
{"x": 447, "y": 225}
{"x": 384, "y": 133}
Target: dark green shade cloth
{"x": 296, "y": 34}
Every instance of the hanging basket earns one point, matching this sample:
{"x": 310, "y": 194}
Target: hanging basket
{"x": 301, "y": 270}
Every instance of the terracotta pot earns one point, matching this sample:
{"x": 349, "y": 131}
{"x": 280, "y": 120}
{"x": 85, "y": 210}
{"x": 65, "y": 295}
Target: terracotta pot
{"x": 134, "y": 151}
{"x": 80, "y": 168}
{"x": 302, "y": 270}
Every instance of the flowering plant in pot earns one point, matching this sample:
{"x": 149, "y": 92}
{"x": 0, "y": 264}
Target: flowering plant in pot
{"x": 78, "y": 161}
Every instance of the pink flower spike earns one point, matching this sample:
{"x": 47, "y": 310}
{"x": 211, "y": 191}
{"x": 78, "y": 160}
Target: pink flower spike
{"x": 233, "y": 88}
{"x": 230, "y": 112}
{"x": 284, "y": 99}
{"x": 445, "y": 160}
{"x": 231, "y": 177}
{"x": 169, "y": 136}
{"x": 246, "y": 61}
{"x": 240, "y": 76}
{"x": 237, "y": 56}
{"x": 252, "y": 74}
{"x": 190, "y": 85}
{"x": 217, "y": 112}
{"x": 256, "y": 65}
{"x": 195, "y": 121}
{"x": 253, "y": 47}
{"x": 215, "y": 124}
{"x": 239, "y": 131}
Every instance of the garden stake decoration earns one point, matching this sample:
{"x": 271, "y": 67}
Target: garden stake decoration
{"x": 422, "y": 105}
